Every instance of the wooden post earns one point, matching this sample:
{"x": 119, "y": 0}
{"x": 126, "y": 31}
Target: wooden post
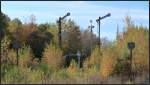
{"x": 59, "y": 32}
{"x": 131, "y": 46}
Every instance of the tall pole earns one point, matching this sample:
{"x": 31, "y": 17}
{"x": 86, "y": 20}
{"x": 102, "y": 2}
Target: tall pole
{"x": 131, "y": 46}
{"x": 59, "y": 33}
{"x": 59, "y": 29}
{"x": 99, "y": 34}
{"x": 99, "y": 40}
{"x": 98, "y": 21}
{"x": 131, "y": 74}
{"x": 91, "y": 27}
{"x": 130, "y": 65}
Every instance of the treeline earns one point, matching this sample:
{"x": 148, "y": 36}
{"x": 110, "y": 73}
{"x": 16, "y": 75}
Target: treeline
{"x": 38, "y": 36}
{"x": 38, "y": 44}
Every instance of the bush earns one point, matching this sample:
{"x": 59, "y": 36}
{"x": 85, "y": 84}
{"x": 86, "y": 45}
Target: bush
{"x": 7, "y": 56}
{"x": 24, "y": 57}
{"x": 53, "y": 56}
{"x": 4, "y": 69}
{"x": 73, "y": 68}
{"x": 24, "y": 75}
{"x": 35, "y": 76}
{"x": 11, "y": 57}
{"x": 14, "y": 75}
{"x": 138, "y": 35}
{"x": 61, "y": 74}
{"x": 94, "y": 60}
{"x": 48, "y": 71}
{"x": 119, "y": 66}
{"x": 108, "y": 62}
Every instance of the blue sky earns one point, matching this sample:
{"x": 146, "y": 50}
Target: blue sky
{"x": 81, "y": 12}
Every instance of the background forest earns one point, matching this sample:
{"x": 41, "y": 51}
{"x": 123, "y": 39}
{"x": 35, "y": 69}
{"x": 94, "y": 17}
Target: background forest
{"x": 40, "y": 60}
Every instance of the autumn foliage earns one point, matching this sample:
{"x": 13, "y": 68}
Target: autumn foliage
{"x": 42, "y": 61}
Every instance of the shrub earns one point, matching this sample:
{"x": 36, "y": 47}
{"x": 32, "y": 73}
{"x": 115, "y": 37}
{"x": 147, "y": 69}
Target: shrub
{"x": 11, "y": 57}
{"x": 4, "y": 69}
{"x": 108, "y": 62}
{"x": 73, "y": 67}
{"x": 24, "y": 75}
{"x": 24, "y": 57}
{"x": 94, "y": 60}
{"x": 37, "y": 41}
{"x": 44, "y": 67}
{"x": 61, "y": 74}
{"x": 139, "y": 35}
{"x": 35, "y": 76}
{"x": 119, "y": 66}
{"x": 5, "y": 49}
{"x": 53, "y": 56}
{"x": 14, "y": 75}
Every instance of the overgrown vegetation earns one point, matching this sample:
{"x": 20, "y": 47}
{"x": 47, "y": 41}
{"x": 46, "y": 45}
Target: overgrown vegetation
{"x": 42, "y": 61}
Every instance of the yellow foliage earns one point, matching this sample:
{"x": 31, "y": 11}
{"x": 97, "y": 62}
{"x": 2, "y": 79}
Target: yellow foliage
{"x": 11, "y": 57}
{"x": 139, "y": 35}
{"x": 94, "y": 59}
{"x": 53, "y": 56}
{"x": 54, "y": 31}
{"x": 25, "y": 57}
{"x": 73, "y": 67}
{"x": 108, "y": 62}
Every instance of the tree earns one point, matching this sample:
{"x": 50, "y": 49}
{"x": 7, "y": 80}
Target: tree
{"x": 43, "y": 27}
{"x": 53, "y": 29}
{"x": 71, "y": 37}
{"x": 74, "y": 40}
{"x": 139, "y": 35}
{"x": 52, "y": 55}
{"x": 14, "y": 24}
{"x": 38, "y": 41}
{"x": 85, "y": 41}
{"x": 4, "y": 24}
{"x": 3, "y": 27}
{"x": 20, "y": 32}
{"x": 16, "y": 20}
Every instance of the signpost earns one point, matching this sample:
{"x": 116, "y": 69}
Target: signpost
{"x": 131, "y": 46}
{"x": 16, "y": 46}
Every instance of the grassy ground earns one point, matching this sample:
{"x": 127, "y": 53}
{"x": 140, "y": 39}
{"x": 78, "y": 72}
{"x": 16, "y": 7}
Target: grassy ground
{"x": 43, "y": 75}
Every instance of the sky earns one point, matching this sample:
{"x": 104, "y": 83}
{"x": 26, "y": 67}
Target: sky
{"x": 81, "y": 12}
